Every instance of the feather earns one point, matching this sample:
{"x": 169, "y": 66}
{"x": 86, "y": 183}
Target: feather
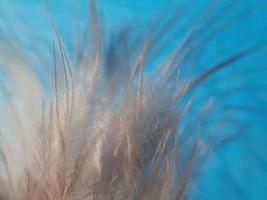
{"x": 100, "y": 127}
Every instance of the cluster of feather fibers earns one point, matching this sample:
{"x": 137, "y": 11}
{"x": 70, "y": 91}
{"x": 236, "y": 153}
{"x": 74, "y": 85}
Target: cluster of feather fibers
{"x": 98, "y": 127}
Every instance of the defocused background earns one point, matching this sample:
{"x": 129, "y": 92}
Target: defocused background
{"x": 239, "y": 169}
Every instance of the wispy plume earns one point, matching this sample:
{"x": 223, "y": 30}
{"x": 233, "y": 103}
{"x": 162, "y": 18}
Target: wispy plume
{"x": 96, "y": 126}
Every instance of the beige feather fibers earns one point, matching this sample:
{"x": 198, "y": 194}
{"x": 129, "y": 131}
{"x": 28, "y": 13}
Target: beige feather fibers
{"x": 103, "y": 132}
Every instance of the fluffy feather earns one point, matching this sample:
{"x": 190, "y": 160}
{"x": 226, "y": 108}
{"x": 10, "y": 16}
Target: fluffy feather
{"x": 98, "y": 127}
